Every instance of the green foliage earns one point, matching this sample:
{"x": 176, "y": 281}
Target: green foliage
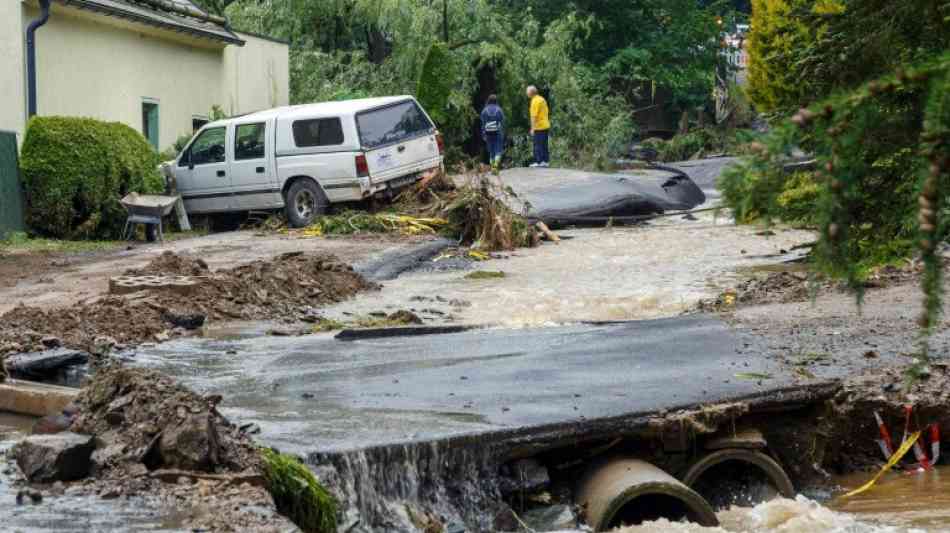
{"x": 435, "y": 81}
{"x": 297, "y": 493}
{"x": 359, "y": 48}
{"x": 877, "y": 195}
{"x": 804, "y": 50}
{"x": 75, "y": 171}
{"x": 700, "y": 142}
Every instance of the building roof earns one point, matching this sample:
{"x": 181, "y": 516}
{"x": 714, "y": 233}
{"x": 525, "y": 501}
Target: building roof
{"x": 177, "y": 15}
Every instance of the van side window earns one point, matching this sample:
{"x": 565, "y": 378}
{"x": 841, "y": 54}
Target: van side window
{"x": 318, "y": 132}
{"x": 207, "y": 148}
{"x": 249, "y": 141}
{"x": 392, "y": 124}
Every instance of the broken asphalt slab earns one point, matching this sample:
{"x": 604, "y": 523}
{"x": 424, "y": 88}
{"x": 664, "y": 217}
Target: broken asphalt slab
{"x": 561, "y": 197}
{"x": 318, "y": 394}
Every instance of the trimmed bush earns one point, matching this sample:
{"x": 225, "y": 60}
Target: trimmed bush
{"x": 75, "y": 171}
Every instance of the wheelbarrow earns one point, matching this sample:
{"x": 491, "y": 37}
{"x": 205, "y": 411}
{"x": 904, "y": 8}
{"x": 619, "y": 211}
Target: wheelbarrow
{"x": 147, "y": 209}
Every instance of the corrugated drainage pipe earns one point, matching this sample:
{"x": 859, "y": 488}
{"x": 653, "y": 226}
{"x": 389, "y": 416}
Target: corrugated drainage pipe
{"x": 622, "y": 491}
{"x": 31, "y": 56}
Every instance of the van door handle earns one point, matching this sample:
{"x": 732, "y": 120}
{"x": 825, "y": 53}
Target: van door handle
{"x": 401, "y": 149}
{"x": 220, "y": 173}
{"x": 260, "y": 170}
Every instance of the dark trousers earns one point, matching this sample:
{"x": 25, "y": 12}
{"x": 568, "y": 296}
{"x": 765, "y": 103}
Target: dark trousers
{"x": 496, "y": 145}
{"x": 541, "y": 154}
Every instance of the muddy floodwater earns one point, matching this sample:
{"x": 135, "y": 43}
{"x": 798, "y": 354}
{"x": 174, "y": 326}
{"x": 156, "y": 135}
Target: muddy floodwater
{"x": 900, "y": 503}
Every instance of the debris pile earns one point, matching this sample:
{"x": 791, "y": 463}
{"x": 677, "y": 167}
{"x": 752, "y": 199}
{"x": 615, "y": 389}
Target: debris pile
{"x": 287, "y": 287}
{"x": 137, "y": 434}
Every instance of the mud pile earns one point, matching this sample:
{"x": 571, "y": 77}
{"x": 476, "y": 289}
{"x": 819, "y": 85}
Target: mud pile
{"x": 789, "y": 286}
{"x": 167, "y": 446}
{"x": 143, "y": 417}
{"x": 288, "y": 287}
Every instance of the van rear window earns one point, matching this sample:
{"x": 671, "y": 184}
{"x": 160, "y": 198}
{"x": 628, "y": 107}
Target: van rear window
{"x": 392, "y": 124}
{"x": 318, "y": 132}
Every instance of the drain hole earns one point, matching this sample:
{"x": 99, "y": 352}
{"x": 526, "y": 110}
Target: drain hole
{"x": 735, "y": 482}
{"x": 649, "y": 507}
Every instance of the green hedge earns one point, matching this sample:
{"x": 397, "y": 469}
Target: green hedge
{"x": 75, "y": 171}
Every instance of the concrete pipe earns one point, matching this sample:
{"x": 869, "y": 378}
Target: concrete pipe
{"x": 737, "y": 476}
{"x": 622, "y": 491}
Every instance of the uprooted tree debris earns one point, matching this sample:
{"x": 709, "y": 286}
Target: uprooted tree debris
{"x": 137, "y": 433}
{"x": 287, "y": 287}
{"x": 477, "y": 213}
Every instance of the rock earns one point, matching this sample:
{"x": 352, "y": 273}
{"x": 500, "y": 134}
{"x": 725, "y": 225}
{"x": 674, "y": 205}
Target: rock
{"x": 51, "y": 342}
{"x": 52, "y": 424}
{"x": 191, "y": 445}
{"x": 404, "y": 317}
{"x": 162, "y": 336}
{"x": 106, "y": 456}
{"x": 553, "y": 518}
{"x": 25, "y": 495}
{"x": 103, "y": 345}
{"x": 184, "y": 320}
{"x": 60, "y": 457}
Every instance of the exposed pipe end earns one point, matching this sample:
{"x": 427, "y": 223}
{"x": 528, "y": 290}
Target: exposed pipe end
{"x": 738, "y": 476}
{"x": 622, "y": 491}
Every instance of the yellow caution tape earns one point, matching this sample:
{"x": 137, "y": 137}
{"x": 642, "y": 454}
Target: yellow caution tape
{"x": 898, "y": 455}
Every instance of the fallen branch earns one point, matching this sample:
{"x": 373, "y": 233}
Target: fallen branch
{"x": 551, "y": 236}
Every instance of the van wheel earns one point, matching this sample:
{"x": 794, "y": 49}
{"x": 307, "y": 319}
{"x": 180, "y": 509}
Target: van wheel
{"x": 305, "y": 202}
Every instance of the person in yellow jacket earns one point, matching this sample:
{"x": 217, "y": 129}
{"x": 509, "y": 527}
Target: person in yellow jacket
{"x": 540, "y": 127}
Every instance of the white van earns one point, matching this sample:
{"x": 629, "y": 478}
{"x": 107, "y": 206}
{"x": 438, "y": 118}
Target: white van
{"x": 303, "y": 158}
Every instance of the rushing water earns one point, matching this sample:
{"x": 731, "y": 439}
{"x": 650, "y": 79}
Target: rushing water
{"x": 900, "y": 503}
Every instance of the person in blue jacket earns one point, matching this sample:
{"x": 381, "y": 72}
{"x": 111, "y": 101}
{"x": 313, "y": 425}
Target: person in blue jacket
{"x": 493, "y": 131}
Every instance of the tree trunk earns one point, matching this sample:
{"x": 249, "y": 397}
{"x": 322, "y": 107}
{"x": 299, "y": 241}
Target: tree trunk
{"x": 377, "y": 46}
{"x": 445, "y": 21}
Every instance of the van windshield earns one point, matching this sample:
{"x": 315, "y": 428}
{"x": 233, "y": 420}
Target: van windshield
{"x": 392, "y": 124}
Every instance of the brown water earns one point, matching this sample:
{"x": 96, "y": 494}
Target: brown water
{"x": 899, "y": 503}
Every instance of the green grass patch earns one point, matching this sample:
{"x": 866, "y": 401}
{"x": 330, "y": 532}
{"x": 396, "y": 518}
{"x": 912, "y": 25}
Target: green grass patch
{"x": 484, "y": 274}
{"x": 297, "y": 493}
{"x": 398, "y": 318}
{"x": 21, "y": 242}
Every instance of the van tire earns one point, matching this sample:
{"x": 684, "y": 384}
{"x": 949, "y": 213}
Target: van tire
{"x": 304, "y": 203}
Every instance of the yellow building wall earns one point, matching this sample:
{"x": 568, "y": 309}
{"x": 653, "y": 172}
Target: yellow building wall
{"x": 104, "y": 67}
{"x": 257, "y": 75}
{"x": 101, "y": 67}
{"x": 12, "y": 67}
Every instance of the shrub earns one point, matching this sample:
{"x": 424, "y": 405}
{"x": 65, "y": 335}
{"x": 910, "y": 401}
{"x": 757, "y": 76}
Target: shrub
{"x": 75, "y": 171}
